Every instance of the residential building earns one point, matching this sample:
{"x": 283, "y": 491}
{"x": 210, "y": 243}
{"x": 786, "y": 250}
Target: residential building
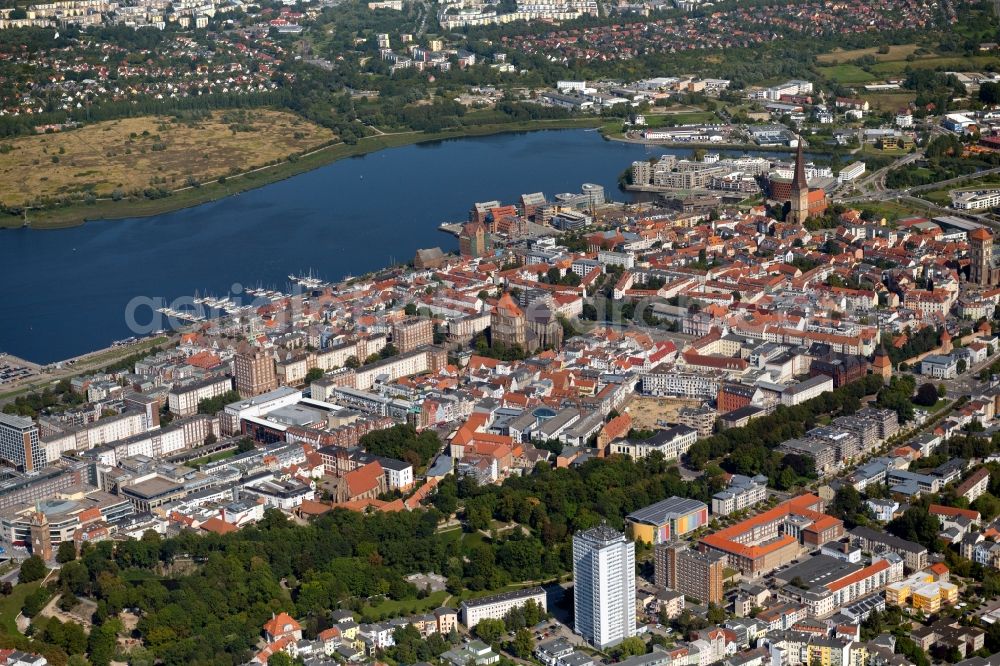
{"x": 914, "y": 555}
{"x": 690, "y": 572}
{"x": 412, "y": 333}
{"x": 742, "y": 493}
{"x": 183, "y": 399}
{"x": 604, "y": 591}
{"x": 495, "y": 607}
{"x": 19, "y": 445}
{"x": 974, "y": 485}
{"x": 255, "y": 373}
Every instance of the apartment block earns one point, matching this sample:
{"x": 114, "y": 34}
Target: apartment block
{"x": 690, "y": 572}
{"x": 742, "y": 493}
{"x": 19, "y": 445}
{"x": 604, "y": 593}
{"x": 183, "y": 400}
{"x": 411, "y": 333}
{"x": 495, "y": 607}
{"x": 255, "y": 373}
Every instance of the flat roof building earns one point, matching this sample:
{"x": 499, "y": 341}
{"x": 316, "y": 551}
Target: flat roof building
{"x": 666, "y": 520}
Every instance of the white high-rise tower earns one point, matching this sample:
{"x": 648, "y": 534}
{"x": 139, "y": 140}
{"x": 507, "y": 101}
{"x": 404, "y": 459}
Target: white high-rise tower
{"x": 604, "y": 586}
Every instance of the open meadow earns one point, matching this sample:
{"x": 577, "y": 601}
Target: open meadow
{"x": 133, "y": 154}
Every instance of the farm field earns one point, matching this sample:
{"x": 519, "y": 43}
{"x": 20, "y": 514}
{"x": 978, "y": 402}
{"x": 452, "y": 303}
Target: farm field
{"x": 897, "y": 52}
{"x": 136, "y": 153}
{"x": 890, "y": 101}
{"x": 846, "y": 74}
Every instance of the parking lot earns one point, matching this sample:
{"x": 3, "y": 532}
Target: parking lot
{"x": 10, "y": 372}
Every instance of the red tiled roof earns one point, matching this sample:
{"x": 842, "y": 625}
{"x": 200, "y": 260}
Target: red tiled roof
{"x": 364, "y": 479}
{"x": 217, "y": 525}
{"x": 858, "y": 576}
{"x": 940, "y": 510}
{"x": 276, "y": 625}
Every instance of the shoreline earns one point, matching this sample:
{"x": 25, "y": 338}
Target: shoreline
{"x": 50, "y": 373}
{"x": 188, "y": 197}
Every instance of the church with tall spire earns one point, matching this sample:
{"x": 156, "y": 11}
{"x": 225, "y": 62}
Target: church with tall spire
{"x": 803, "y": 203}
{"x": 799, "y": 211}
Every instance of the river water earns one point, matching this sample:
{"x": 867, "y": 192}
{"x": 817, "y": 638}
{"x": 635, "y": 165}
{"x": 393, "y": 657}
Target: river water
{"x": 66, "y": 292}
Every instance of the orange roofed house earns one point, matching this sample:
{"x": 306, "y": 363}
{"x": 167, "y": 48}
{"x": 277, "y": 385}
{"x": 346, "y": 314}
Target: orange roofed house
{"x": 760, "y": 544}
{"x": 280, "y": 626}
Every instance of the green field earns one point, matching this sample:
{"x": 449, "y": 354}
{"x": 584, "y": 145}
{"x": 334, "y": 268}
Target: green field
{"x": 890, "y": 210}
{"x": 10, "y": 607}
{"x": 846, "y": 74}
{"x": 898, "y": 52}
{"x": 215, "y": 457}
{"x": 890, "y": 101}
{"x": 392, "y": 607}
{"x": 962, "y": 63}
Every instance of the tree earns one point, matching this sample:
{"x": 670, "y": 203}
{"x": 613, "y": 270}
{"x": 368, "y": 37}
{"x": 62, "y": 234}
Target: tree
{"x": 630, "y": 647}
{"x": 314, "y": 374}
{"x": 280, "y": 659}
{"x": 32, "y": 569}
{"x": 989, "y": 93}
{"x": 66, "y": 552}
{"x": 962, "y": 365}
{"x": 410, "y": 309}
{"x": 987, "y": 505}
{"x": 102, "y": 642}
{"x": 848, "y": 505}
{"x": 716, "y": 614}
{"x": 216, "y": 404}
{"x": 524, "y": 644}
{"x": 942, "y": 391}
{"x": 490, "y": 630}
{"x": 35, "y": 602}
{"x": 927, "y": 395}
{"x": 352, "y": 362}
{"x": 917, "y": 524}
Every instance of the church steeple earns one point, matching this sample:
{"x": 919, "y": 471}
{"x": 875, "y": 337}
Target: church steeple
{"x": 799, "y": 208}
{"x": 799, "y": 179}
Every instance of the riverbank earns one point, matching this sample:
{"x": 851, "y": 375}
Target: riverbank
{"x": 186, "y": 197}
{"x": 78, "y": 365}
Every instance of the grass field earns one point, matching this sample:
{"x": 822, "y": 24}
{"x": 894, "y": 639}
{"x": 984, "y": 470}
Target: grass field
{"x": 405, "y": 606}
{"x": 890, "y": 210}
{"x": 898, "y": 52}
{"x": 961, "y": 63}
{"x": 10, "y": 607}
{"x": 890, "y": 101}
{"x": 215, "y": 457}
{"x": 846, "y": 74}
{"x": 136, "y": 153}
